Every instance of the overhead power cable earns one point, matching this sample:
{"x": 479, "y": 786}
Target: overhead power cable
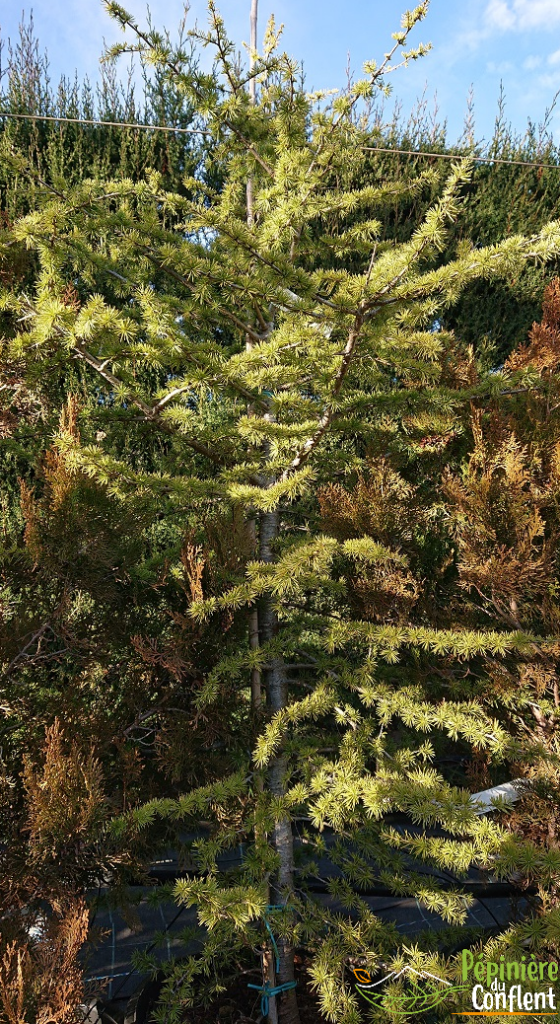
{"x": 203, "y": 131}
{"x": 109, "y": 124}
{"x": 460, "y": 156}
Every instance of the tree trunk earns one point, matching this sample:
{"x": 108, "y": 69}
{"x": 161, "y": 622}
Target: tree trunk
{"x": 254, "y": 636}
{"x": 277, "y": 697}
{"x": 256, "y": 694}
{"x": 263, "y": 626}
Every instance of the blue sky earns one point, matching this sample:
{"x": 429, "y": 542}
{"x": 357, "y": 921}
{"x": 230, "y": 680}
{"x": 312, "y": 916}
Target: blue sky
{"x": 477, "y": 42}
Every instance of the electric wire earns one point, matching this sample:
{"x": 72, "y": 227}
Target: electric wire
{"x": 459, "y": 156}
{"x": 366, "y": 149}
{"x": 109, "y": 124}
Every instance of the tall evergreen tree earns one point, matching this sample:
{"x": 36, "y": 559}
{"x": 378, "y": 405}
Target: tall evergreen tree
{"x": 314, "y": 431}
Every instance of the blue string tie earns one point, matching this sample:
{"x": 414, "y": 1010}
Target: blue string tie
{"x": 266, "y": 991}
{"x": 273, "y": 906}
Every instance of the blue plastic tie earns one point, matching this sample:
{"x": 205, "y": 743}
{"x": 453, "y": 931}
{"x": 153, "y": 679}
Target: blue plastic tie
{"x": 273, "y": 906}
{"x": 274, "y": 946}
{"x": 266, "y": 991}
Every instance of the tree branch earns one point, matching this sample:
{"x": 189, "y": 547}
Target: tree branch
{"x": 327, "y": 417}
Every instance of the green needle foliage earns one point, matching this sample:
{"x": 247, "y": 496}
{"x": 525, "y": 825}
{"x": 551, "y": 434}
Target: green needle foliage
{"x": 503, "y": 199}
{"x": 306, "y": 403}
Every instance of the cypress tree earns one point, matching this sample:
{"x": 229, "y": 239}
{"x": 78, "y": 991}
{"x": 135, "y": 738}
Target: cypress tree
{"x": 60, "y": 152}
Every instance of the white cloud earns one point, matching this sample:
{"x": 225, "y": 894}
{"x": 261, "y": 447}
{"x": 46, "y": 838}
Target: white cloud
{"x": 501, "y": 67}
{"x": 550, "y": 81}
{"x": 537, "y": 13}
{"x": 521, "y": 15}
{"x": 554, "y": 58}
{"x": 498, "y": 15}
{"x": 532, "y": 62}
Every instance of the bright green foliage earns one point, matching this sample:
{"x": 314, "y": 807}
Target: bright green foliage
{"x": 503, "y": 199}
{"x": 292, "y": 369}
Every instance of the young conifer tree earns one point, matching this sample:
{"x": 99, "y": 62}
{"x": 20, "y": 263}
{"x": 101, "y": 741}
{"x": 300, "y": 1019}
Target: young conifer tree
{"x": 166, "y": 292}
